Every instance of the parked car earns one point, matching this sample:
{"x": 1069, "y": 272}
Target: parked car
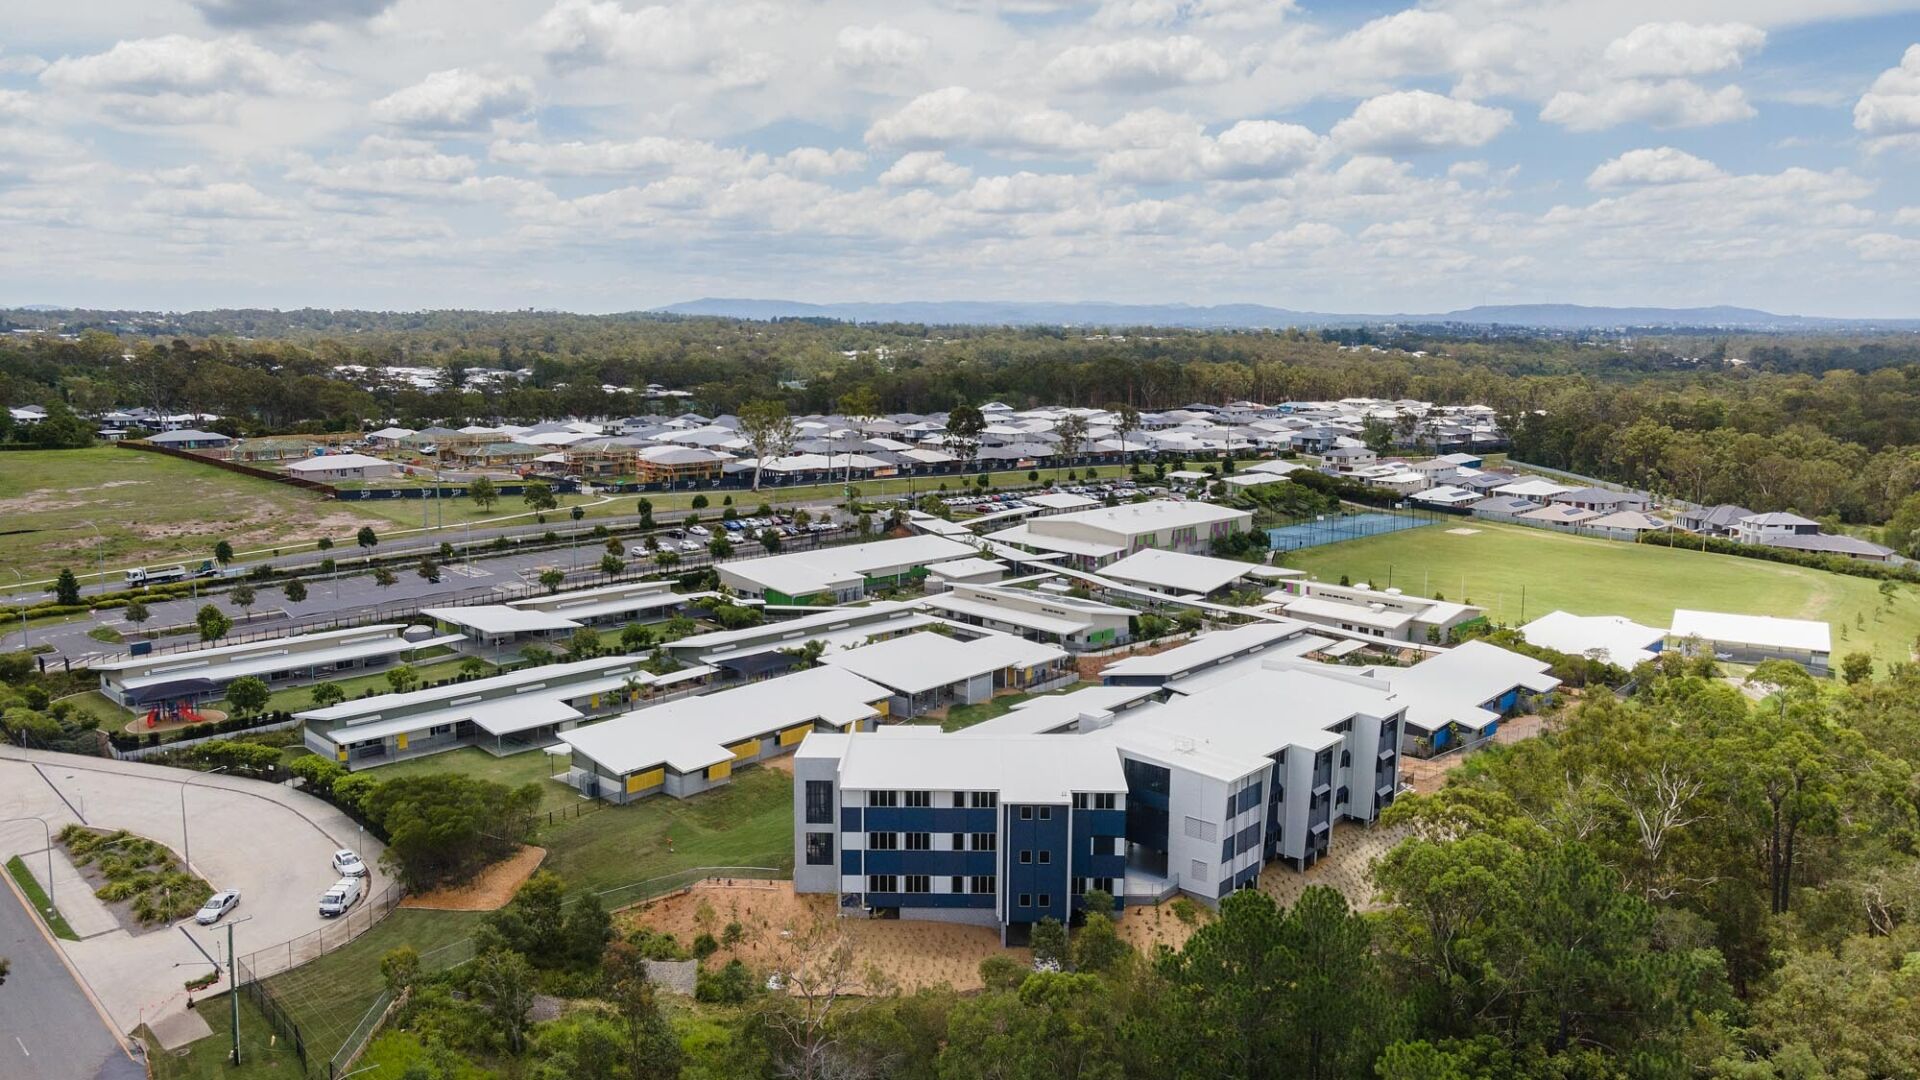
{"x": 698, "y": 530}
{"x": 340, "y": 897}
{"x": 692, "y": 545}
{"x": 217, "y": 906}
{"x": 347, "y": 864}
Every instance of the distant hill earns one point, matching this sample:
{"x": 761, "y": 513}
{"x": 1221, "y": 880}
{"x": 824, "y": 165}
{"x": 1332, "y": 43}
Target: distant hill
{"x": 1258, "y": 316}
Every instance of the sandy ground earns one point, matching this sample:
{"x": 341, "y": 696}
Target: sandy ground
{"x": 488, "y": 892}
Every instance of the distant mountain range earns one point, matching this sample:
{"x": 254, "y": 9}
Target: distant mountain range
{"x": 1260, "y": 316}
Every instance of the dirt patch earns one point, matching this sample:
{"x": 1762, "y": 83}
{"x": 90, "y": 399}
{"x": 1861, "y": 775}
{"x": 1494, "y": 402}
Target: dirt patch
{"x": 783, "y": 763}
{"x": 908, "y": 953}
{"x": 1090, "y": 667}
{"x": 1463, "y": 532}
{"x": 488, "y": 892}
{"x": 1146, "y": 927}
{"x": 41, "y": 501}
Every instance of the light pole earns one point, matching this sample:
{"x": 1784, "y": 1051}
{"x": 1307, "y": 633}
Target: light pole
{"x": 99, "y": 553}
{"x": 48, "y": 829}
{"x": 186, "y": 843}
{"x": 233, "y": 985}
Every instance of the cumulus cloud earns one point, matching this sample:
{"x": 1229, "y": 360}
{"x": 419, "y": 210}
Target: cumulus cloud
{"x": 958, "y": 116}
{"x": 1891, "y": 107}
{"x": 1421, "y": 42}
{"x": 1660, "y": 165}
{"x": 1678, "y": 48}
{"x": 1138, "y": 64}
{"x": 1675, "y": 103}
{"x": 15, "y": 104}
{"x": 456, "y": 99}
{"x": 1302, "y": 236}
{"x": 274, "y": 13}
{"x": 1885, "y": 247}
{"x": 862, "y": 48}
{"x": 1159, "y": 147}
{"x": 688, "y": 37}
{"x": 1907, "y": 215}
{"x": 178, "y": 64}
{"x": 1205, "y": 14}
{"x": 815, "y": 163}
{"x": 1411, "y": 120}
{"x": 222, "y": 200}
{"x": 925, "y": 168}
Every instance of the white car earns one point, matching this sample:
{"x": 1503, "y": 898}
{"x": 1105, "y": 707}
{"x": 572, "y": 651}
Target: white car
{"x": 692, "y": 545}
{"x": 217, "y": 906}
{"x": 348, "y": 864}
{"x": 697, "y": 530}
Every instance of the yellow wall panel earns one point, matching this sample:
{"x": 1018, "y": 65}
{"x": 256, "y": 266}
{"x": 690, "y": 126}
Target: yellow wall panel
{"x": 744, "y": 750}
{"x": 794, "y": 734}
{"x": 720, "y": 771}
{"x": 641, "y": 781}
{"x": 400, "y": 741}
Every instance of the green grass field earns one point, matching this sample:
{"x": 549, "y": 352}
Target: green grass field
{"x": 965, "y": 716}
{"x": 1603, "y": 577}
{"x": 746, "y": 823}
{"x": 37, "y": 898}
{"x": 146, "y": 509}
{"x": 262, "y": 1054}
{"x": 527, "y": 767}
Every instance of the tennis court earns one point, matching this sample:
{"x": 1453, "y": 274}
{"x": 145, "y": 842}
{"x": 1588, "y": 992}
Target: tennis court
{"x": 1333, "y": 528}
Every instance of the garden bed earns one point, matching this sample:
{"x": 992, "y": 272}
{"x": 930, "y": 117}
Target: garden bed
{"x": 139, "y": 880}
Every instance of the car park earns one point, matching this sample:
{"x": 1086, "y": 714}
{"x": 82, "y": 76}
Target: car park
{"x": 692, "y": 545}
{"x": 217, "y": 906}
{"x": 698, "y": 530}
{"x": 347, "y": 863}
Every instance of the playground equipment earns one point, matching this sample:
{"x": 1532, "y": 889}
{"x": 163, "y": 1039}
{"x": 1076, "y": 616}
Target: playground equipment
{"x": 173, "y": 712}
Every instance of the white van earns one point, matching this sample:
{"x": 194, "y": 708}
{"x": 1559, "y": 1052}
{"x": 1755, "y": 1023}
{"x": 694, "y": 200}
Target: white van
{"x": 342, "y": 895}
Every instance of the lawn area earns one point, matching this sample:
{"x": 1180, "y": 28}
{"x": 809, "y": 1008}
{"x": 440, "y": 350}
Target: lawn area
{"x": 531, "y": 766}
{"x": 146, "y": 509}
{"x": 328, "y": 996}
{"x": 262, "y": 1055}
{"x": 746, "y": 823}
{"x": 94, "y": 703}
{"x": 407, "y": 513}
{"x": 294, "y": 698}
{"x": 1602, "y": 577}
{"x": 37, "y": 898}
{"x": 965, "y": 716}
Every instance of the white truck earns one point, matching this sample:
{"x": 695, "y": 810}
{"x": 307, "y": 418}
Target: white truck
{"x": 337, "y": 899}
{"x": 165, "y": 575}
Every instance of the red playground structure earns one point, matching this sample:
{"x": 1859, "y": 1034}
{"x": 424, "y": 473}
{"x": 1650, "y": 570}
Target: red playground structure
{"x": 173, "y": 712}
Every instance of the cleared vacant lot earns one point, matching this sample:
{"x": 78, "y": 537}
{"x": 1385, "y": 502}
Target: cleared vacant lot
{"x": 1603, "y": 577}
{"x": 146, "y": 509}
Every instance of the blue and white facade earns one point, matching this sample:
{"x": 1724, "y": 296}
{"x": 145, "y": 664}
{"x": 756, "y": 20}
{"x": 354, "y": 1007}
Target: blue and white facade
{"x": 1001, "y": 831}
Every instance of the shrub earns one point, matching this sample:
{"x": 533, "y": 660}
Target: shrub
{"x": 705, "y": 946}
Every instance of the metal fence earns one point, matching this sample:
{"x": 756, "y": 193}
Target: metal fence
{"x": 276, "y": 1015}
{"x": 1333, "y": 528}
{"x": 276, "y": 959}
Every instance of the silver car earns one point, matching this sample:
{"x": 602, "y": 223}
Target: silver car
{"x": 347, "y": 864}
{"x": 217, "y": 906}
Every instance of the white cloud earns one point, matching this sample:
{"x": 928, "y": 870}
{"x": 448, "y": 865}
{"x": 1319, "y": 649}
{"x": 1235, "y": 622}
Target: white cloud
{"x": 958, "y": 116}
{"x": 1422, "y": 42}
{"x": 814, "y": 163}
{"x": 1661, "y": 165}
{"x": 24, "y": 64}
{"x": 456, "y": 99}
{"x": 177, "y": 64}
{"x": 1885, "y": 247}
{"x": 1138, "y": 64}
{"x": 1676, "y": 103}
{"x": 1678, "y": 48}
{"x": 861, "y": 48}
{"x": 925, "y": 168}
{"x": 693, "y": 37}
{"x": 15, "y": 104}
{"x": 1891, "y": 107}
{"x": 1302, "y": 236}
{"x": 652, "y": 153}
{"x": 1410, "y": 120}
{"x": 222, "y": 200}
{"x": 1907, "y": 215}
{"x": 1199, "y": 14}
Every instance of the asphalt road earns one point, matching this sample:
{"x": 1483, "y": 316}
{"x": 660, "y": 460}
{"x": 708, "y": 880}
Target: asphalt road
{"x": 48, "y": 1028}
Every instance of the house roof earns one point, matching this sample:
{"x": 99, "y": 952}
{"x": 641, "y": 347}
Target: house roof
{"x": 1767, "y": 631}
{"x": 919, "y": 662}
{"x": 1778, "y": 517}
{"x": 1022, "y": 768}
{"x": 1454, "y": 686}
{"x": 547, "y": 677}
{"x": 1829, "y": 544}
{"x": 336, "y": 462}
{"x": 1051, "y": 712}
{"x": 1177, "y": 570}
{"x": 804, "y": 572}
{"x": 1132, "y": 519}
{"x": 1561, "y": 513}
{"x": 692, "y": 733}
{"x": 1628, "y": 519}
{"x": 1615, "y": 638}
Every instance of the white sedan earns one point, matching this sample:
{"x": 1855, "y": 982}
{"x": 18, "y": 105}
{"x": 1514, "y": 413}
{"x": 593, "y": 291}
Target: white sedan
{"x": 217, "y": 906}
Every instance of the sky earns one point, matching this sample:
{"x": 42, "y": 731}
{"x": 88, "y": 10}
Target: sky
{"x": 616, "y": 155}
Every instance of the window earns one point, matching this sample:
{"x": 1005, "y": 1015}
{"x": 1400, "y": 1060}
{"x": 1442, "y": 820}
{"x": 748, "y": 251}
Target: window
{"x": 882, "y": 883}
{"x": 986, "y": 841}
{"x": 1197, "y": 870}
{"x": 883, "y": 841}
{"x": 1104, "y": 884}
{"x": 986, "y": 800}
{"x": 883, "y": 798}
{"x": 1232, "y": 802}
{"x": 819, "y": 849}
{"x": 1346, "y": 758}
{"x": 820, "y": 802}
{"x": 1046, "y": 813}
{"x": 959, "y": 842}
{"x": 439, "y": 729}
{"x": 1026, "y": 899}
{"x": 919, "y": 841}
{"x": 1026, "y": 813}
{"x": 954, "y": 884}
{"x": 920, "y": 798}
{"x": 1107, "y": 801}
{"x": 959, "y": 799}
{"x": 1026, "y": 857}
{"x": 984, "y": 883}
{"x": 919, "y": 883}
{"x": 1046, "y": 857}
{"x": 1046, "y": 901}
{"x": 1340, "y": 797}
{"x": 1079, "y": 885}
{"x": 1079, "y": 800}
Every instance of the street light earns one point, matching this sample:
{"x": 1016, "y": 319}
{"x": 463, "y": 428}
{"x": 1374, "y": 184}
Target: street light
{"x": 99, "y": 552}
{"x": 48, "y": 829}
{"x": 233, "y": 984}
{"x": 186, "y": 843}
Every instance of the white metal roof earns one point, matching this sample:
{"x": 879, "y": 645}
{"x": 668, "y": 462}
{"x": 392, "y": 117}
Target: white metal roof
{"x": 563, "y": 678}
{"x": 809, "y": 571}
{"x": 1617, "y": 639}
{"x": 1059, "y": 500}
{"x": 1177, "y": 570}
{"x": 499, "y": 619}
{"x": 878, "y": 618}
{"x": 1051, "y": 712}
{"x": 1022, "y": 768}
{"x": 273, "y": 646}
{"x": 919, "y": 662}
{"x": 1208, "y": 648}
{"x": 1453, "y": 686}
{"x": 692, "y": 733}
{"x": 1132, "y": 519}
{"x": 1357, "y": 613}
{"x": 964, "y": 569}
{"x": 228, "y": 668}
{"x": 1767, "y": 631}
{"x": 1024, "y": 535}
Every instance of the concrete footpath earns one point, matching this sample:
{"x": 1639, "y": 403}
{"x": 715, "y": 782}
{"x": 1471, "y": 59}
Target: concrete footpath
{"x": 270, "y": 842}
